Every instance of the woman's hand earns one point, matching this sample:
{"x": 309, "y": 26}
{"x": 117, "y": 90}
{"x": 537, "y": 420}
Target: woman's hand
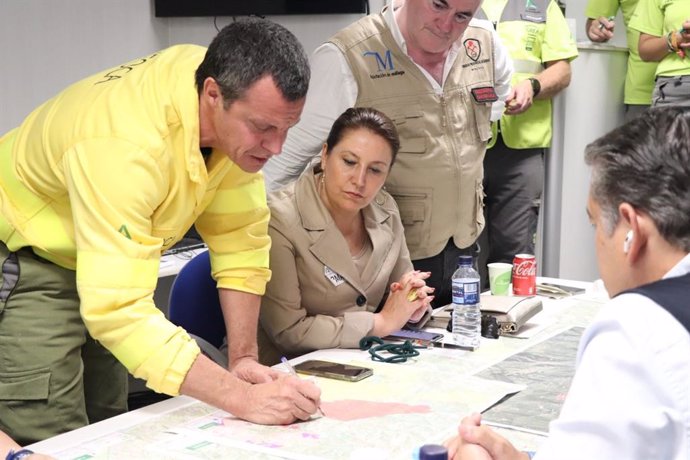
{"x": 409, "y": 298}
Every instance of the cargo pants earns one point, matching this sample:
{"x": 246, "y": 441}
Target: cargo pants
{"x": 53, "y": 376}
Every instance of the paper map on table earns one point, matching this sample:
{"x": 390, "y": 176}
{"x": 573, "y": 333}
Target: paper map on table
{"x": 547, "y": 369}
{"x": 388, "y": 415}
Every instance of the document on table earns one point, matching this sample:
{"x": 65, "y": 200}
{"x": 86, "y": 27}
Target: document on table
{"x": 406, "y": 405}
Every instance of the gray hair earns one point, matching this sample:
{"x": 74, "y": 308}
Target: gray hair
{"x": 646, "y": 163}
{"x": 249, "y": 49}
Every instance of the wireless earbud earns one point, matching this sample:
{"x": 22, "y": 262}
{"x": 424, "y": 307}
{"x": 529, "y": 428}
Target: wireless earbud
{"x": 628, "y": 241}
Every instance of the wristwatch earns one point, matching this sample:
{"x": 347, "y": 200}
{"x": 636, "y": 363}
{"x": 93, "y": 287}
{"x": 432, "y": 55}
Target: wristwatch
{"x": 536, "y": 86}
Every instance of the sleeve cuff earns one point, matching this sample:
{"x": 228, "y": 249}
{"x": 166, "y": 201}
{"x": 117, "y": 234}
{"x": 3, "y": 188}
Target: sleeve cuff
{"x": 356, "y": 325}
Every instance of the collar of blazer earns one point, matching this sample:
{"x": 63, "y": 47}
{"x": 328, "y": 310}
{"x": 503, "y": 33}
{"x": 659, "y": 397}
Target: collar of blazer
{"x": 329, "y": 245}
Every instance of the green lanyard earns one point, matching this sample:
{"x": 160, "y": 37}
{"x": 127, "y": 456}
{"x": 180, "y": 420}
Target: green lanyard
{"x": 399, "y": 352}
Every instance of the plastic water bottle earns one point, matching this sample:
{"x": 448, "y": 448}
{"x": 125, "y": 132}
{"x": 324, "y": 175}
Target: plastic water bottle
{"x": 467, "y": 316}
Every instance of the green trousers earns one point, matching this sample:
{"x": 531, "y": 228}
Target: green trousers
{"x": 53, "y": 376}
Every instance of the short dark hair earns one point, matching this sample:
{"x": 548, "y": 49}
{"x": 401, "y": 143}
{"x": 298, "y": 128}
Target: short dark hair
{"x": 366, "y": 118}
{"x": 646, "y": 163}
{"x": 249, "y": 49}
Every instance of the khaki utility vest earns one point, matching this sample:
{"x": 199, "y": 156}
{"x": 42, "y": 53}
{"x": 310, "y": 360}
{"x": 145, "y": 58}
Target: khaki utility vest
{"x": 437, "y": 178}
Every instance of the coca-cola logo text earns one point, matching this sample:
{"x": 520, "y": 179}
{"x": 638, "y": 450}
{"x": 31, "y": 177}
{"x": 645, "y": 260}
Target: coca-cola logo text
{"x": 525, "y": 268}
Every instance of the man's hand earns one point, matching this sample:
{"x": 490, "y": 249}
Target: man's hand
{"x": 600, "y": 30}
{"x": 279, "y": 402}
{"x": 493, "y": 446}
{"x": 520, "y": 98}
{"x": 458, "y": 449}
{"x": 249, "y": 370}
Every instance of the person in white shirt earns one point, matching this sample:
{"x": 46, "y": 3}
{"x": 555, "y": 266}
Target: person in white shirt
{"x": 435, "y": 71}
{"x": 630, "y": 397}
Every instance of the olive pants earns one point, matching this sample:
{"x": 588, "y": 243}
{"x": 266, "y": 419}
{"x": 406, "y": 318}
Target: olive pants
{"x": 53, "y": 376}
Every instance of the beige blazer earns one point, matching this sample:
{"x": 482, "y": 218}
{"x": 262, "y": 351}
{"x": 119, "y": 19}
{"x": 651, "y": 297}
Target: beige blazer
{"x": 316, "y": 298}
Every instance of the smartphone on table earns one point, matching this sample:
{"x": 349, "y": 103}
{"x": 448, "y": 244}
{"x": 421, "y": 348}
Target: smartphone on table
{"x": 333, "y": 370}
{"x": 407, "y": 334}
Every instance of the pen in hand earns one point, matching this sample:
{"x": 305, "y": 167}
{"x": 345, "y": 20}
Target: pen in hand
{"x": 610, "y": 18}
{"x": 292, "y": 371}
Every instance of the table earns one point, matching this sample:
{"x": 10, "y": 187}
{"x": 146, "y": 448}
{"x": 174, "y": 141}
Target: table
{"x": 424, "y": 401}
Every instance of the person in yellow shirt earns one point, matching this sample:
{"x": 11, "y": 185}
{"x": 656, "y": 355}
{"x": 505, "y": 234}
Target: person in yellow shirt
{"x": 96, "y": 183}
{"x": 664, "y": 27}
{"x": 639, "y": 78}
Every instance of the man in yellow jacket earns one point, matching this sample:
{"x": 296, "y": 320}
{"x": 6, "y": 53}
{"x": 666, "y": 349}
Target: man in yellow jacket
{"x": 96, "y": 183}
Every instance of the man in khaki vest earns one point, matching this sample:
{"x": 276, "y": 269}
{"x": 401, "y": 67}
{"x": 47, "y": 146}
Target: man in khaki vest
{"x": 436, "y": 73}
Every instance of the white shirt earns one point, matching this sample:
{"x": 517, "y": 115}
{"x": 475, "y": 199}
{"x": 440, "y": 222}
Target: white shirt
{"x": 630, "y": 397}
{"x": 333, "y": 89}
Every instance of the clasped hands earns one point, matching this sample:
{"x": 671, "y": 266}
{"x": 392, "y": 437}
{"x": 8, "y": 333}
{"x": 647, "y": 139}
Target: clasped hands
{"x": 408, "y": 300}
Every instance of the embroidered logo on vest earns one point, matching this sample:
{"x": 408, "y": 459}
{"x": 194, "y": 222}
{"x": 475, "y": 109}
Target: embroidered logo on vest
{"x": 384, "y": 64}
{"x": 473, "y": 48}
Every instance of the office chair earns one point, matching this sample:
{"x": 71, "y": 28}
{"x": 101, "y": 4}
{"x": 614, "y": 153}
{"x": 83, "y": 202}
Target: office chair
{"x": 194, "y": 305}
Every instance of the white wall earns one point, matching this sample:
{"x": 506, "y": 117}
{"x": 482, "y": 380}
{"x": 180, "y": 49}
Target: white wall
{"x": 47, "y": 44}
{"x": 311, "y": 31}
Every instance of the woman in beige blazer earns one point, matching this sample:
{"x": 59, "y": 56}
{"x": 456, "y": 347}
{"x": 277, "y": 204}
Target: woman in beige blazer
{"x": 338, "y": 248}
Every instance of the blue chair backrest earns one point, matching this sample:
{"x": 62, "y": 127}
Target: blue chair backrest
{"x": 194, "y": 303}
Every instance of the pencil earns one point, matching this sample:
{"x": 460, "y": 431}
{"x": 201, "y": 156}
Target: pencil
{"x": 292, "y": 371}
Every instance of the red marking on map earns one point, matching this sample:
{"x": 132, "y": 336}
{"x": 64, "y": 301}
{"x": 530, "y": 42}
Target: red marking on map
{"x": 353, "y": 409}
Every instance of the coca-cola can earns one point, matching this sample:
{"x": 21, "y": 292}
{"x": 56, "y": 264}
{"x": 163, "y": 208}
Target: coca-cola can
{"x": 524, "y": 274}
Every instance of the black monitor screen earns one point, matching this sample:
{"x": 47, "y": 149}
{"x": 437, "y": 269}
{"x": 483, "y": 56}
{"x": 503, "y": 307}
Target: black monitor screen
{"x": 179, "y": 8}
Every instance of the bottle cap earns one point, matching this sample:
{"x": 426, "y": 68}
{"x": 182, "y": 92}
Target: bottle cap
{"x": 433, "y": 452}
{"x": 465, "y": 260}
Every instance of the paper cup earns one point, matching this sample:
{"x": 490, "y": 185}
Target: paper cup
{"x": 499, "y": 277}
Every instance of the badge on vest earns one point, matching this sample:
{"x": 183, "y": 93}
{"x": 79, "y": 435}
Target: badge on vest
{"x": 332, "y": 276}
{"x": 484, "y": 94}
{"x": 473, "y": 48}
